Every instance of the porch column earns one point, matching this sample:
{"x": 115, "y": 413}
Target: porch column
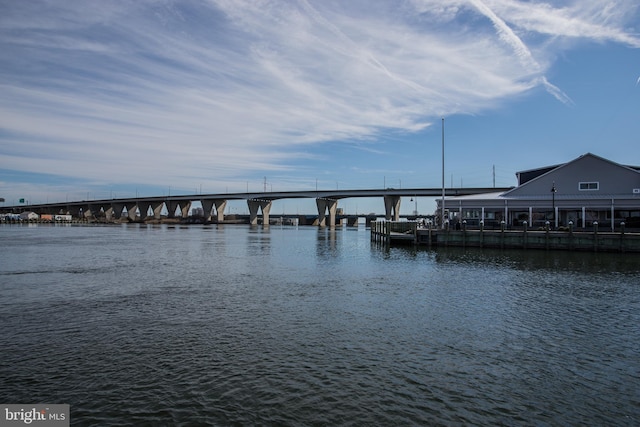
{"x": 613, "y": 223}
{"x": 584, "y": 220}
{"x": 506, "y": 214}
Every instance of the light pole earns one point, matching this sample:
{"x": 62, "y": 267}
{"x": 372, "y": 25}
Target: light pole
{"x": 442, "y": 204}
{"x": 553, "y": 205}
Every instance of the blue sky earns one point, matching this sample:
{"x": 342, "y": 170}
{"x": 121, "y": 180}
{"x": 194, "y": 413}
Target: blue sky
{"x": 112, "y": 99}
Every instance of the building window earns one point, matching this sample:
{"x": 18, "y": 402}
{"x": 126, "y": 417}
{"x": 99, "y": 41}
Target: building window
{"x": 586, "y": 186}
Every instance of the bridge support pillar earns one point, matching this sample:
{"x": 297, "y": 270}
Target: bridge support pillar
{"x": 76, "y": 211}
{"x": 220, "y": 207}
{"x": 143, "y": 206}
{"x": 108, "y": 213}
{"x": 392, "y": 208}
{"x": 184, "y": 209}
{"x": 171, "y": 208}
{"x": 254, "y": 205}
{"x": 92, "y": 211}
{"x": 208, "y": 204}
{"x": 172, "y": 205}
{"x": 157, "y": 209}
{"x": 207, "y": 207}
{"x": 116, "y": 208}
{"x": 324, "y": 205}
{"x": 132, "y": 211}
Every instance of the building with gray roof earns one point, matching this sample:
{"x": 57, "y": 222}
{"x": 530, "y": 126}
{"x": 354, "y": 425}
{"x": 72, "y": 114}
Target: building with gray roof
{"x": 584, "y": 191}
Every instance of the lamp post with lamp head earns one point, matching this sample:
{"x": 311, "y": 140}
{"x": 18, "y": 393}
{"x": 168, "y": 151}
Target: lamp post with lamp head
{"x": 553, "y": 205}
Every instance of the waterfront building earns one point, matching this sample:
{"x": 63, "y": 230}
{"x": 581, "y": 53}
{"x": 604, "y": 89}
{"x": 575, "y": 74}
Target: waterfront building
{"x": 29, "y": 216}
{"x": 583, "y": 192}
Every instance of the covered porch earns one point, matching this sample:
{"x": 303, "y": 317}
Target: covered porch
{"x": 583, "y": 214}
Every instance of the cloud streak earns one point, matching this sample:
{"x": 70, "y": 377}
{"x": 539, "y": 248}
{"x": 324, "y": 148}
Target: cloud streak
{"x": 238, "y": 87}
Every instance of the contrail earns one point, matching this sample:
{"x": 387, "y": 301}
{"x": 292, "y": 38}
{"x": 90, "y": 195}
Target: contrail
{"x": 507, "y": 34}
{"x": 521, "y": 49}
{"x": 556, "y": 92}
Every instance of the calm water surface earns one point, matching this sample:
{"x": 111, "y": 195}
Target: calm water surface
{"x": 231, "y": 325}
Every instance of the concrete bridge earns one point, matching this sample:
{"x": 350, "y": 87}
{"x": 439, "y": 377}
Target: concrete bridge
{"x": 258, "y": 202}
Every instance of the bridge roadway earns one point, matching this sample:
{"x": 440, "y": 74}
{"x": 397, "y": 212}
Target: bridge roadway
{"x": 326, "y": 202}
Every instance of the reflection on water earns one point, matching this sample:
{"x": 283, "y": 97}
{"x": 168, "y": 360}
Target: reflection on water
{"x": 159, "y": 325}
{"x": 586, "y": 262}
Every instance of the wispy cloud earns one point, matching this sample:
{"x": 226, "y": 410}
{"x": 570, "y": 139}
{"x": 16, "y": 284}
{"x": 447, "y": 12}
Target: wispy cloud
{"x": 589, "y": 19}
{"x": 148, "y": 92}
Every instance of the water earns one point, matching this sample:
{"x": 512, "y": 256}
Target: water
{"x": 161, "y": 325}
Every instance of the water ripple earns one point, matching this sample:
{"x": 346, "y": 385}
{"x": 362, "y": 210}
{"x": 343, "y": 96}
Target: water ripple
{"x": 305, "y": 327}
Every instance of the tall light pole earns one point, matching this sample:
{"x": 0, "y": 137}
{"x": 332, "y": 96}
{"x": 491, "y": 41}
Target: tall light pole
{"x": 553, "y": 205}
{"x": 442, "y": 204}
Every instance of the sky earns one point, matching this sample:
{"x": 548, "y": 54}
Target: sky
{"x": 102, "y": 99}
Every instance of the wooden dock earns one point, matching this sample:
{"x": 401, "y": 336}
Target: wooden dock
{"x": 410, "y": 233}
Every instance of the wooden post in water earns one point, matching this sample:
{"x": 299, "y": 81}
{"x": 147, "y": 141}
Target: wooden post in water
{"x": 446, "y": 233}
{"x": 388, "y": 232}
{"x": 570, "y": 235}
{"x": 464, "y": 233}
{"x": 546, "y": 237}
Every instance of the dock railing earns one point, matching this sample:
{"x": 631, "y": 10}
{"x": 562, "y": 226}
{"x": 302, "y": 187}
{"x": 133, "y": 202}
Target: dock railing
{"x": 386, "y": 231}
{"x": 409, "y": 232}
